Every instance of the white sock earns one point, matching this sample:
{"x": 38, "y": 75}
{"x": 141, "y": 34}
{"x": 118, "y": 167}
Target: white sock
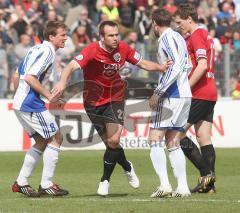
{"x": 50, "y": 159}
{"x": 159, "y": 162}
{"x": 178, "y": 163}
{"x": 30, "y": 161}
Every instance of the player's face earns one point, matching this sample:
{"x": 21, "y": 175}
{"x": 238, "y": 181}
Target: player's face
{"x": 111, "y": 37}
{"x": 155, "y": 28}
{"x": 182, "y": 25}
{"x": 59, "y": 39}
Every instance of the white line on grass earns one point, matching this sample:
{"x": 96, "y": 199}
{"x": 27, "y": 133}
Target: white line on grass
{"x": 106, "y": 199}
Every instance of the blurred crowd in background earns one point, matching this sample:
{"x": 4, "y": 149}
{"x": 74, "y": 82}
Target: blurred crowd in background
{"x": 22, "y": 22}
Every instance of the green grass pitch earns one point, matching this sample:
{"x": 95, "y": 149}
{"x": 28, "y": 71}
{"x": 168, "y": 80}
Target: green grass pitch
{"x": 80, "y": 171}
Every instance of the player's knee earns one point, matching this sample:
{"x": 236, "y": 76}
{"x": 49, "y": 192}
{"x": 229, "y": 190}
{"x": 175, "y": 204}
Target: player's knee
{"x": 203, "y": 137}
{"x": 113, "y": 142}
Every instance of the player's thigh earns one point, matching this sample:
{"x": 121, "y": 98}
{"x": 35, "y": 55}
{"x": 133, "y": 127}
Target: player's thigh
{"x": 23, "y": 118}
{"x": 155, "y": 136}
{"x": 44, "y": 124}
{"x": 203, "y": 131}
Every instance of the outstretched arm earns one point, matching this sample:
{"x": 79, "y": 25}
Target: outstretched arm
{"x": 152, "y": 66}
{"x": 61, "y": 85}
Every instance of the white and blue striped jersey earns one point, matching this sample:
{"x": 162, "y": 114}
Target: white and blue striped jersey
{"x": 37, "y": 62}
{"x": 173, "y": 83}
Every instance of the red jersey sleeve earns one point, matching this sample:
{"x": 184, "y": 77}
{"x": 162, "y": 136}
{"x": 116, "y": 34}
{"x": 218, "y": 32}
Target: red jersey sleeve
{"x": 199, "y": 45}
{"x": 133, "y": 56}
{"x": 84, "y": 57}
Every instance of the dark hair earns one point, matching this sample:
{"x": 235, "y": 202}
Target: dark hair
{"x": 162, "y": 17}
{"x": 106, "y": 23}
{"x": 187, "y": 10}
{"x": 51, "y": 28}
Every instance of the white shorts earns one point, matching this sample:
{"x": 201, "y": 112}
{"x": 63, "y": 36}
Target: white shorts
{"x": 42, "y": 123}
{"x": 171, "y": 114}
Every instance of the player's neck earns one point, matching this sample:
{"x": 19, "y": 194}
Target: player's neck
{"x": 162, "y": 29}
{"x": 106, "y": 48}
{"x": 194, "y": 26}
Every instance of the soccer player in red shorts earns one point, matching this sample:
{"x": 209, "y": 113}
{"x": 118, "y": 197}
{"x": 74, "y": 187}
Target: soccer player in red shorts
{"x": 104, "y": 94}
{"x": 201, "y": 50}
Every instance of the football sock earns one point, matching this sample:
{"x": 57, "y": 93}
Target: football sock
{"x": 178, "y": 163}
{"x": 122, "y": 160}
{"x": 192, "y": 152}
{"x": 209, "y": 156}
{"x": 50, "y": 159}
{"x": 109, "y": 161}
{"x": 158, "y": 157}
{"x": 30, "y": 161}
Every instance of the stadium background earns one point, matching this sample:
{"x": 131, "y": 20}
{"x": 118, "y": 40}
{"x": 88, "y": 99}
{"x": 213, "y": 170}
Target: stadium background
{"x": 21, "y": 24}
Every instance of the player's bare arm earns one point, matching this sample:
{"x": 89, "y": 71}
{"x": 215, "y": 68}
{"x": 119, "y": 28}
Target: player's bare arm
{"x": 34, "y": 83}
{"x": 61, "y": 85}
{"x": 198, "y": 72}
{"x": 152, "y": 66}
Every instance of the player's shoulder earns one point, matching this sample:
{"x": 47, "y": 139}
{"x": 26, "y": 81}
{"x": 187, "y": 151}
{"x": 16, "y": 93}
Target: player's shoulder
{"x": 123, "y": 45}
{"x": 92, "y": 48}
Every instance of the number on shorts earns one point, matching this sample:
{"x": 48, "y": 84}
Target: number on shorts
{"x": 52, "y": 127}
{"x": 120, "y": 114}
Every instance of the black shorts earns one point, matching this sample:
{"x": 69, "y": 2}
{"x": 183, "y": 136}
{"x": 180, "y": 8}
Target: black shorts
{"x": 112, "y": 112}
{"x": 201, "y": 110}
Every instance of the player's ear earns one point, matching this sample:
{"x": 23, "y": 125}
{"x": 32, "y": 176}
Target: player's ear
{"x": 101, "y": 38}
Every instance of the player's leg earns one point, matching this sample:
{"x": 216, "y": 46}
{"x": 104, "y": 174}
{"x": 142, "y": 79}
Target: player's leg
{"x": 203, "y": 132}
{"x": 159, "y": 161}
{"x": 45, "y": 125}
{"x": 190, "y": 149}
{"x": 31, "y": 158}
{"x": 178, "y": 163}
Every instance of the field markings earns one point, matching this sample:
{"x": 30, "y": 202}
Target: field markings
{"x": 185, "y": 200}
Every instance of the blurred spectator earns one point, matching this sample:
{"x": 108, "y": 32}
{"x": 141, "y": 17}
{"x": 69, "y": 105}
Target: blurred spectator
{"x": 34, "y": 14}
{"x": 217, "y": 43}
{"x": 212, "y": 18}
{"x": 110, "y": 10}
{"x": 8, "y": 28}
{"x": 170, "y": 6}
{"x": 236, "y": 41}
{"x": 34, "y": 39}
{"x": 22, "y": 48}
{"x": 83, "y": 20}
{"x": 21, "y": 23}
{"x": 126, "y": 11}
{"x": 3, "y": 71}
{"x": 80, "y": 38}
{"x": 235, "y": 86}
{"x": 224, "y": 12}
{"x": 237, "y": 9}
{"x": 207, "y": 5}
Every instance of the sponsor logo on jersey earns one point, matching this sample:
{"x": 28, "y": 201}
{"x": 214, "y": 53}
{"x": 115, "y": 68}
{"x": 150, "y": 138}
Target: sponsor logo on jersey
{"x": 201, "y": 52}
{"x": 117, "y": 57}
{"x": 137, "y": 56}
{"x": 79, "y": 57}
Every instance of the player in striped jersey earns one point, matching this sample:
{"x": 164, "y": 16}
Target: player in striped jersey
{"x": 33, "y": 115}
{"x": 170, "y": 104}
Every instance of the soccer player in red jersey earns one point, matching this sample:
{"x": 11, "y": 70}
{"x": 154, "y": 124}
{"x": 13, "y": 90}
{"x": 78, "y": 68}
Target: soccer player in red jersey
{"x": 201, "y": 50}
{"x": 103, "y": 95}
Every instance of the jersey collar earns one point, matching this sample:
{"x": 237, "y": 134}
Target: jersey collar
{"x": 101, "y": 46}
{"x": 49, "y": 44}
{"x": 164, "y": 32}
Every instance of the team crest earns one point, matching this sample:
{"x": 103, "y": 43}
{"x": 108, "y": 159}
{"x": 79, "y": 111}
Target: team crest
{"x": 79, "y": 57}
{"x": 117, "y": 57}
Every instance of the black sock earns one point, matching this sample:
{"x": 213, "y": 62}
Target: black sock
{"x": 192, "y": 152}
{"x": 109, "y": 161}
{"x": 123, "y": 161}
{"x": 209, "y": 156}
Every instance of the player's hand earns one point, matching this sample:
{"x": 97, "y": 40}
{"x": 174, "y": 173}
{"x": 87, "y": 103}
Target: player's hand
{"x": 165, "y": 66}
{"x": 58, "y": 90}
{"x": 153, "y": 101}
